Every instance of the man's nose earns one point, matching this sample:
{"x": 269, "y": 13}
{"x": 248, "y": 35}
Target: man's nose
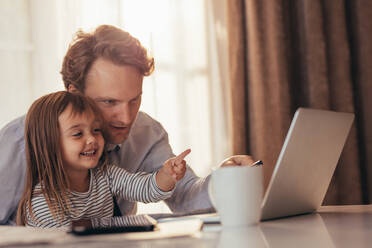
{"x": 124, "y": 114}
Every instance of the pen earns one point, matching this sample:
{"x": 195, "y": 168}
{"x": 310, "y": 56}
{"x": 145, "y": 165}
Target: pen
{"x": 257, "y": 163}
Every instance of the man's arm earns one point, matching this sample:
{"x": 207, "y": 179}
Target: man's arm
{"x": 146, "y": 149}
{"x": 12, "y": 169}
{"x": 191, "y": 192}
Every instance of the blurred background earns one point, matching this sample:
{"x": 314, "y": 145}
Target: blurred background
{"x": 185, "y": 93}
{"x": 229, "y": 74}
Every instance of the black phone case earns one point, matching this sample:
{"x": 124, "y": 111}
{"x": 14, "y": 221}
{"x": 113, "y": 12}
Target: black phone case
{"x": 81, "y": 230}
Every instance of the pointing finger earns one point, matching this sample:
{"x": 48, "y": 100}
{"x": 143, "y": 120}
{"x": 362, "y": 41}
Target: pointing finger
{"x": 180, "y": 157}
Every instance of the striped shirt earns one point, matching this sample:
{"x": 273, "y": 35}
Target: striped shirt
{"x": 97, "y": 201}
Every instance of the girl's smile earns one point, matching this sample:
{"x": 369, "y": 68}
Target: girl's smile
{"x": 91, "y": 152}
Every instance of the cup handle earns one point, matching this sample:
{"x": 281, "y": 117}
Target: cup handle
{"x": 210, "y": 192}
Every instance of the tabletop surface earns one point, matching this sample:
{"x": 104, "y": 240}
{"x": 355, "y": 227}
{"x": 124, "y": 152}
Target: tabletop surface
{"x": 331, "y": 226}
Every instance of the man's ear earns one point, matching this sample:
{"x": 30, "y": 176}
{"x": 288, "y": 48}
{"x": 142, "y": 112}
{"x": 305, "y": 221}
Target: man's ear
{"x": 72, "y": 89}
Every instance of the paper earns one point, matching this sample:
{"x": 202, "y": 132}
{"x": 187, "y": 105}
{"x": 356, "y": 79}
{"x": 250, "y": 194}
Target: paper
{"x": 212, "y": 218}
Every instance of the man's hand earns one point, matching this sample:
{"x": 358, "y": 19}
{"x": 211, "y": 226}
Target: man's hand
{"x": 237, "y": 160}
{"x": 172, "y": 171}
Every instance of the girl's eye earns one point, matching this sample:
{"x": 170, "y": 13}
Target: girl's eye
{"x": 78, "y": 134}
{"x": 97, "y": 130}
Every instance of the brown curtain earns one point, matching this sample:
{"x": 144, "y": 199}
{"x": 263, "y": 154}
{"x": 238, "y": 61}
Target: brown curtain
{"x": 303, "y": 53}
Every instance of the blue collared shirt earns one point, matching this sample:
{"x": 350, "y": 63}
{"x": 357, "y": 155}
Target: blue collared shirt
{"x": 146, "y": 149}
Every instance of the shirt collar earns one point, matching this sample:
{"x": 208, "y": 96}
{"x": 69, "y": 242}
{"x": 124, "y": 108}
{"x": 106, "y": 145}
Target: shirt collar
{"x": 112, "y": 147}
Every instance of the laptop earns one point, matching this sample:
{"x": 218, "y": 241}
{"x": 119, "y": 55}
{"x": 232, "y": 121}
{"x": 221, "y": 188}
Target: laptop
{"x": 305, "y": 166}
{"x": 306, "y": 163}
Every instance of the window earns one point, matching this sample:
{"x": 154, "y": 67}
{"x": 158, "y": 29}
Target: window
{"x": 185, "y": 93}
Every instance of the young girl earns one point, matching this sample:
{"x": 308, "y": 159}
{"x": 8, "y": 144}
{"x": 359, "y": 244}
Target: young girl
{"x": 68, "y": 177}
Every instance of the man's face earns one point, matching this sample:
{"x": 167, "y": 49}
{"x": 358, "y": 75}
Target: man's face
{"x": 117, "y": 90}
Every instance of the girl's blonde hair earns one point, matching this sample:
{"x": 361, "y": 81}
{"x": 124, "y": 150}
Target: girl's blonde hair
{"x": 43, "y": 152}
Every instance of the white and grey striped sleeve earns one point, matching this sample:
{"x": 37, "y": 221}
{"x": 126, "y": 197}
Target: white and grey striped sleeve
{"x": 139, "y": 186}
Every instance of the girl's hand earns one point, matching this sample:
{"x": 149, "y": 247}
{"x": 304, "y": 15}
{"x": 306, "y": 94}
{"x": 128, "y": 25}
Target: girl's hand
{"x": 172, "y": 171}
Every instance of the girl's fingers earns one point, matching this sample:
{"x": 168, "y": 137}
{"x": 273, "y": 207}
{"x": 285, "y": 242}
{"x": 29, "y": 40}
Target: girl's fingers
{"x": 180, "y": 169}
{"x": 180, "y": 166}
{"x": 181, "y": 173}
{"x": 181, "y": 156}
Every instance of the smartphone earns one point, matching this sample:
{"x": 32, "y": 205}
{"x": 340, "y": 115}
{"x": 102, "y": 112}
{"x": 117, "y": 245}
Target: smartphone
{"x": 143, "y": 223}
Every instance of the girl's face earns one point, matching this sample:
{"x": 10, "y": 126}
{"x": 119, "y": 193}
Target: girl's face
{"x": 81, "y": 140}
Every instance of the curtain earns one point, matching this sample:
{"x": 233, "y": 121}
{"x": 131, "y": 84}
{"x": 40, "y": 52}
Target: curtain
{"x": 304, "y": 53}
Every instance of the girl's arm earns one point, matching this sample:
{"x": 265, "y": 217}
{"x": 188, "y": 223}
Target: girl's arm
{"x": 139, "y": 186}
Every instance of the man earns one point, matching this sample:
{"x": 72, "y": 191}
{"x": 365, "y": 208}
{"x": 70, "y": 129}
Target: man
{"x": 108, "y": 65}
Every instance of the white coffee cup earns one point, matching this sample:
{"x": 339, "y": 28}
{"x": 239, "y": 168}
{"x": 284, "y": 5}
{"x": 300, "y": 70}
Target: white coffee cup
{"x": 236, "y": 193}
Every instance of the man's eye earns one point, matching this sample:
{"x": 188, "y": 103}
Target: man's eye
{"x": 108, "y": 102}
{"x": 78, "y": 134}
{"x": 135, "y": 100}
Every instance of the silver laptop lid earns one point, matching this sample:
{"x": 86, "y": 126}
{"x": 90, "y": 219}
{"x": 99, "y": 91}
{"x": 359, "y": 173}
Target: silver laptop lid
{"x": 306, "y": 162}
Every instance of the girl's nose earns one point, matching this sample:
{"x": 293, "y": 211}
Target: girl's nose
{"x": 91, "y": 140}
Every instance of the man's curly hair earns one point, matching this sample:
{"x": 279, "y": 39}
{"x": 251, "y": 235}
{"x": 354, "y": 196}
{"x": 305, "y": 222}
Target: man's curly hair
{"x": 106, "y": 42}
